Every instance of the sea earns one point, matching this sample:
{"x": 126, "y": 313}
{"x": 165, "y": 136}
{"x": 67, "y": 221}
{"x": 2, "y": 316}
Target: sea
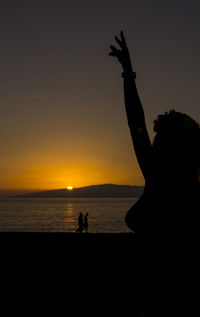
{"x": 105, "y": 215}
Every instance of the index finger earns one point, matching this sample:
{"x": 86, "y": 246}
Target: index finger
{"x": 119, "y": 41}
{"x": 123, "y": 37}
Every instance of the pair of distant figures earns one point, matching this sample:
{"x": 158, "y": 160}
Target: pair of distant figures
{"x": 82, "y": 223}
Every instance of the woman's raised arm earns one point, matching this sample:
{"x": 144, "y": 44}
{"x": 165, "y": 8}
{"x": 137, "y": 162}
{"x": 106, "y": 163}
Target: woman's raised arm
{"x": 134, "y": 110}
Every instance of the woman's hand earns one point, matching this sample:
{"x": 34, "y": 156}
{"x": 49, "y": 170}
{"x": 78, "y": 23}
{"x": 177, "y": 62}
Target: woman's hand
{"x": 122, "y": 54}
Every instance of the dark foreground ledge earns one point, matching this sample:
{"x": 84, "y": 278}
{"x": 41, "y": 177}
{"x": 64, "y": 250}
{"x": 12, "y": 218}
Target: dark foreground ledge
{"x": 25, "y": 252}
{"x": 97, "y": 272}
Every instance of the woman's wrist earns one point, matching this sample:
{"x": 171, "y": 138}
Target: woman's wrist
{"x": 127, "y": 68}
{"x": 127, "y": 65}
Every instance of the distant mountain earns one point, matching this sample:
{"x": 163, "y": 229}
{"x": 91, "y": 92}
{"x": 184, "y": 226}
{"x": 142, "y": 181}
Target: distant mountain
{"x": 93, "y": 191}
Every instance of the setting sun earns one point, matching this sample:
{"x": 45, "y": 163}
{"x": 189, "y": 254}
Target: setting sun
{"x": 69, "y": 187}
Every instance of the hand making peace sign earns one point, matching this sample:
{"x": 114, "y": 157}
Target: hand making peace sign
{"x": 122, "y": 54}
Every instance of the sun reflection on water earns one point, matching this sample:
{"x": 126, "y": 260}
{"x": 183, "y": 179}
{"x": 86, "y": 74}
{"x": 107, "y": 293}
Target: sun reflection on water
{"x": 69, "y": 208}
{"x": 69, "y": 218}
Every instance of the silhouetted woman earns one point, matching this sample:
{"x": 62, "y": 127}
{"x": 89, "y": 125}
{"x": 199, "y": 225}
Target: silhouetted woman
{"x": 166, "y": 216}
{"x": 85, "y": 223}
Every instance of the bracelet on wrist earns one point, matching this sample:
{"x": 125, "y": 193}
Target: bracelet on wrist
{"x": 129, "y": 74}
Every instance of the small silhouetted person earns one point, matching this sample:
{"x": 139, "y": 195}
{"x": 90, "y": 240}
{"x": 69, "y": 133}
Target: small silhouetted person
{"x": 166, "y": 218}
{"x": 85, "y": 223}
{"x": 80, "y": 223}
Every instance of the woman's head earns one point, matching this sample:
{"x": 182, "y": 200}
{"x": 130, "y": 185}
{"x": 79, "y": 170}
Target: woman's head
{"x": 176, "y": 144}
{"x": 175, "y": 122}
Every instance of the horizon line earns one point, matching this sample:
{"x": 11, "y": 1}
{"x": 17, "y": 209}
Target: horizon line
{"x": 8, "y": 192}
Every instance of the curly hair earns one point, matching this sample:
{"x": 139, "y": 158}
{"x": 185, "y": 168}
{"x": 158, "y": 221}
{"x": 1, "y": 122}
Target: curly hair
{"x": 175, "y": 121}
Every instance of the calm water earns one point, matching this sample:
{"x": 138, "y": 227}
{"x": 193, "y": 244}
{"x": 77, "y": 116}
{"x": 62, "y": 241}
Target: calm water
{"x": 61, "y": 214}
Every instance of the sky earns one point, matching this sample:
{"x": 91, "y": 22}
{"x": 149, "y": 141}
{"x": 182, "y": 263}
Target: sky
{"x": 63, "y": 119}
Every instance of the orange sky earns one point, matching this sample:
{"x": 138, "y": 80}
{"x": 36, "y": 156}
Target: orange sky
{"x": 44, "y": 170}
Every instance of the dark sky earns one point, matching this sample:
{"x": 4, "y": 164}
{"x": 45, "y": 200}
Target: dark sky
{"x": 62, "y": 113}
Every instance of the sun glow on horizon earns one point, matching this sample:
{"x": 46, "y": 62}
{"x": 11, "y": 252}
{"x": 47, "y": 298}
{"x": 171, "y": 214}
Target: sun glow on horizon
{"x": 69, "y": 187}
{"x": 52, "y": 176}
